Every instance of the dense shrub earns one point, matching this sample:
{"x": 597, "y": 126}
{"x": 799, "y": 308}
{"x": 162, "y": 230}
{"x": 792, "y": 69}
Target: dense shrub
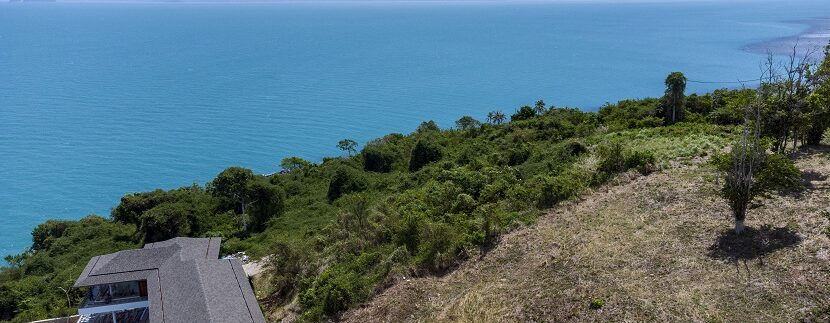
{"x": 426, "y": 151}
{"x": 518, "y": 155}
{"x": 345, "y": 180}
{"x": 378, "y": 158}
{"x": 45, "y": 233}
{"x": 555, "y": 189}
{"x": 524, "y": 113}
{"x": 266, "y": 201}
{"x": 289, "y": 264}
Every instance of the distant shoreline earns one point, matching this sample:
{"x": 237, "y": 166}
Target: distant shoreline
{"x": 816, "y": 37}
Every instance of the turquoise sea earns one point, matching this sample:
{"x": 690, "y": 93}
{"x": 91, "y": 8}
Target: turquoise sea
{"x": 99, "y": 100}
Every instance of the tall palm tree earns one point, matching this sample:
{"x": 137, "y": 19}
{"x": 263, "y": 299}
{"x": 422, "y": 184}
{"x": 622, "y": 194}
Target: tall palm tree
{"x": 675, "y": 88}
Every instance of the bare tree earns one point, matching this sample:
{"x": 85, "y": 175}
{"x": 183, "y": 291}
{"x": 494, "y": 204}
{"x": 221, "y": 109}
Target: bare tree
{"x": 747, "y": 155}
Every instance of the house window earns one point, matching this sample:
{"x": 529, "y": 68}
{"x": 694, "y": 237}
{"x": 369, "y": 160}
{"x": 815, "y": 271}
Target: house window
{"x": 106, "y": 293}
{"x": 124, "y": 290}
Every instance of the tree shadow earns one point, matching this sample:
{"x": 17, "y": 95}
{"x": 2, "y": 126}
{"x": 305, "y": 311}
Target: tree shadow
{"x": 810, "y": 177}
{"x": 752, "y": 243}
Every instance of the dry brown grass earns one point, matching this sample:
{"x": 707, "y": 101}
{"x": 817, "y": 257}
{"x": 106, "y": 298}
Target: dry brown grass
{"x": 654, "y": 248}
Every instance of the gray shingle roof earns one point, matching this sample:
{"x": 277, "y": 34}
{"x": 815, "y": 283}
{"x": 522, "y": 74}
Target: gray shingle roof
{"x": 185, "y": 281}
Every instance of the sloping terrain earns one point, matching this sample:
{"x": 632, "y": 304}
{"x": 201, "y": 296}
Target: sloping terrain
{"x": 647, "y": 248}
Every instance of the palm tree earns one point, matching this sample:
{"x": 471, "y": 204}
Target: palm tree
{"x": 495, "y": 117}
{"x": 675, "y": 88}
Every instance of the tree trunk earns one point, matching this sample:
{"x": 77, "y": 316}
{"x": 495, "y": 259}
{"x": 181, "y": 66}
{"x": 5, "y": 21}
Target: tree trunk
{"x": 739, "y": 226}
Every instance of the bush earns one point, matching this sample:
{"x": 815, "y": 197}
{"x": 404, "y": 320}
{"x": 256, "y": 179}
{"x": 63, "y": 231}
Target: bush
{"x": 611, "y": 158}
{"x": 643, "y": 161}
{"x": 778, "y": 174}
{"x": 345, "y": 180}
{"x": 437, "y": 246}
{"x": 378, "y": 158}
{"x": 518, "y": 155}
{"x": 426, "y": 151}
{"x": 559, "y": 188}
{"x": 614, "y": 159}
{"x": 597, "y": 303}
{"x": 289, "y": 265}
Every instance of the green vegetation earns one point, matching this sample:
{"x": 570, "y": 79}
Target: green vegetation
{"x": 405, "y": 205}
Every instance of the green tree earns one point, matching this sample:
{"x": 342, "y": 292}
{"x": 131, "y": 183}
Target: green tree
{"x": 9, "y": 303}
{"x": 539, "y": 107}
{"x": 347, "y": 145}
{"x": 265, "y": 202}
{"x": 294, "y": 163}
{"x": 523, "y": 113}
{"x": 165, "y": 221}
{"x": 428, "y": 126}
{"x": 675, "y": 89}
{"x": 467, "y": 123}
{"x": 378, "y": 158}
{"x": 819, "y": 101}
{"x": 231, "y": 185}
{"x": 426, "y": 151}
{"x": 345, "y": 180}
{"x": 131, "y": 207}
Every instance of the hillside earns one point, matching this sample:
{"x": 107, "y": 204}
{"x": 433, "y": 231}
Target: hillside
{"x": 529, "y": 215}
{"x": 652, "y": 248}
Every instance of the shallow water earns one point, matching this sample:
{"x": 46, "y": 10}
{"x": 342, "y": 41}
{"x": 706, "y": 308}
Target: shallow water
{"x": 99, "y": 100}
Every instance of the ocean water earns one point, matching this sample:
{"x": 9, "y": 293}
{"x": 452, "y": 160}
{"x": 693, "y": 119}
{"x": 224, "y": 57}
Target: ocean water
{"x": 100, "y": 100}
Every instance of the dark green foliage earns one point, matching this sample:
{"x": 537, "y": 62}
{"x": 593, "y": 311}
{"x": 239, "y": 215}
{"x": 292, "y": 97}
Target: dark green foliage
{"x": 9, "y": 303}
{"x": 133, "y": 205}
{"x": 231, "y": 185}
{"x": 292, "y": 164}
{"x": 166, "y": 221}
{"x": 674, "y": 99}
{"x": 467, "y": 123}
{"x": 631, "y": 114}
{"x": 524, "y": 113}
{"x": 347, "y": 145}
{"x": 45, "y": 233}
{"x": 426, "y": 151}
{"x": 378, "y": 158}
{"x": 266, "y": 201}
{"x": 345, "y": 180}
{"x": 518, "y": 155}
{"x": 427, "y": 126}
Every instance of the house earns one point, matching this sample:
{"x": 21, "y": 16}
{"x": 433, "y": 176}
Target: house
{"x": 178, "y": 280}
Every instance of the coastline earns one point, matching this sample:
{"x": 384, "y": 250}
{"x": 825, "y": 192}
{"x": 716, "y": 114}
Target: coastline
{"x": 815, "y": 37}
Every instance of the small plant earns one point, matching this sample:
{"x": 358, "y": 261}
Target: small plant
{"x": 597, "y": 303}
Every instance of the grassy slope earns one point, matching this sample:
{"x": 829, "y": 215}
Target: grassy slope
{"x": 653, "y": 248}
